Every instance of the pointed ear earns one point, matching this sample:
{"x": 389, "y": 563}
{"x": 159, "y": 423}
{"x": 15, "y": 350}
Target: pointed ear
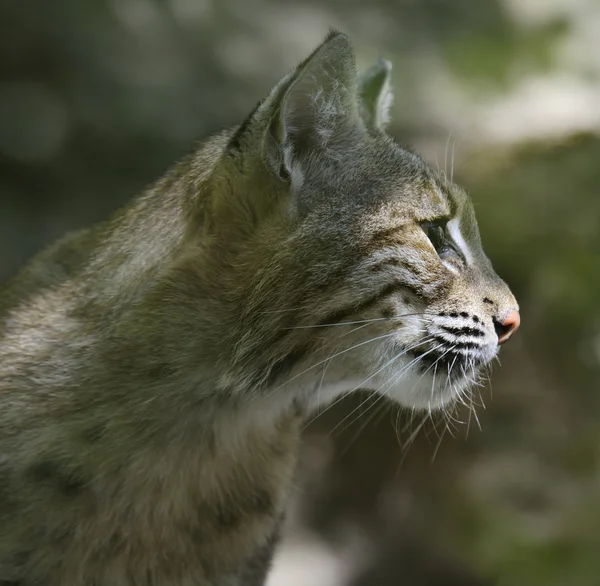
{"x": 376, "y": 97}
{"x": 318, "y": 115}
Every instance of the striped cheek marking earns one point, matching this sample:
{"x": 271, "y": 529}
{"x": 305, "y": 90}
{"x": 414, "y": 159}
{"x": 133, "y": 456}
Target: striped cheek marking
{"x": 456, "y": 235}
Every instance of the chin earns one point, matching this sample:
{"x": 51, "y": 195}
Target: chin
{"x": 421, "y": 389}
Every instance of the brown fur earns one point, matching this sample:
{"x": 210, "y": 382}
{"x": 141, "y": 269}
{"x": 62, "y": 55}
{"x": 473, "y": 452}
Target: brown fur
{"x": 154, "y": 369}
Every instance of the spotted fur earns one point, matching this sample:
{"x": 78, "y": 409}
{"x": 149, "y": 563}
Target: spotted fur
{"x": 155, "y": 368}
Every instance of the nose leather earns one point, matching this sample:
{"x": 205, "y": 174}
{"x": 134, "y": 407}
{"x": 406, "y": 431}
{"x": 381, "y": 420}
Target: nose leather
{"x": 509, "y": 326}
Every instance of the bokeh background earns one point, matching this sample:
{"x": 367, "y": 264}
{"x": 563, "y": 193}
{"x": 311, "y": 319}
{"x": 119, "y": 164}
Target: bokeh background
{"x": 99, "y": 97}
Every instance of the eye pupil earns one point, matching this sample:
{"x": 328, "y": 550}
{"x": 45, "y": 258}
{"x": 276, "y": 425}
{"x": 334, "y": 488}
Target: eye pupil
{"x": 436, "y": 235}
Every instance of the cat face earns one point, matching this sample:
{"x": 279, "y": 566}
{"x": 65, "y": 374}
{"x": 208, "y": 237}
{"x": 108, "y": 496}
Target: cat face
{"x": 364, "y": 268}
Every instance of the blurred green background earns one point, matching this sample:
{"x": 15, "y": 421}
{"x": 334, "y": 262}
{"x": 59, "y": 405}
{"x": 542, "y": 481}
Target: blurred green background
{"x": 99, "y": 97}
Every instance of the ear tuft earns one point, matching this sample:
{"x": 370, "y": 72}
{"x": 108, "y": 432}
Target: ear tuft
{"x": 376, "y": 97}
{"x": 333, "y": 32}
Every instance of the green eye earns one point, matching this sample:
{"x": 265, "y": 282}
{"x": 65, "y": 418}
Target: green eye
{"x": 436, "y": 232}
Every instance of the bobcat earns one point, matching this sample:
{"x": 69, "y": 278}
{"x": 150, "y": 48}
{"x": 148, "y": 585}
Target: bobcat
{"x": 155, "y": 368}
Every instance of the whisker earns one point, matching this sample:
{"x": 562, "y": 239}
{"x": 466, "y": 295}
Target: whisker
{"x": 429, "y": 413}
{"x": 451, "y": 425}
{"x": 338, "y": 399}
{"x": 475, "y": 415}
{"x": 489, "y": 380}
{"x": 411, "y": 439}
{"x": 408, "y": 366}
{"x": 360, "y": 321}
{"x": 370, "y": 340}
{"x": 452, "y": 416}
{"x": 452, "y": 163}
{"x": 328, "y": 361}
{"x": 430, "y": 367}
{"x": 396, "y": 425}
{"x": 433, "y": 382}
{"x": 360, "y": 385}
{"x": 270, "y": 311}
{"x": 480, "y": 384}
{"x": 325, "y": 367}
{"x": 439, "y": 443}
{"x": 323, "y": 411}
{"x": 327, "y": 364}
{"x": 381, "y": 391}
{"x": 468, "y": 160}
{"x": 409, "y": 422}
{"x": 446, "y": 154}
{"x": 451, "y": 367}
{"x": 380, "y": 410}
{"x": 470, "y": 408}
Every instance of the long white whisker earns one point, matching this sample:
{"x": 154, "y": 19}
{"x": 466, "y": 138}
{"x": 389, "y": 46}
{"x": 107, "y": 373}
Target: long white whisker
{"x": 360, "y": 385}
{"x": 338, "y": 399}
{"x": 328, "y": 362}
{"x": 376, "y": 400}
{"x": 411, "y": 439}
{"x": 271, "y": 311}
{"x": 369, "y": 341}
{"x": 446, "y": 154}
{"x": 452, "y": 163}
{"x": 475, "y": 414}
{"x": 379, "y": 411}
{"x": 439, "y": 442}
{"x": 360, "y": 321}
{"x": 431, "y": 366}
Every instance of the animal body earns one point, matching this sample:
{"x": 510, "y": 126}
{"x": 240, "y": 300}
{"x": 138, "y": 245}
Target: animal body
{"x": 155, "y": 368}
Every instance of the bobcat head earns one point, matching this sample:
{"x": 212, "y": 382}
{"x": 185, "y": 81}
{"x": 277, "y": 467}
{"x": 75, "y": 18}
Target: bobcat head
{"x": 351, "y": 262}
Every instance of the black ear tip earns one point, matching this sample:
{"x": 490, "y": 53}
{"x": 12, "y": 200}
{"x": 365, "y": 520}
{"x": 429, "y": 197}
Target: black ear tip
{"x": 338, "y": 40}
{"x": 332, "y": 33}
{"x": 335, "y": 43}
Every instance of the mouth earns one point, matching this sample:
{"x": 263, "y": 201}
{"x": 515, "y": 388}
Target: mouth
{"x": 450, "y": 361}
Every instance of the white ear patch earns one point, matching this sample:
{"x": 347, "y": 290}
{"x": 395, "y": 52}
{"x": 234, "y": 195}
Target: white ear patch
{"x": 456, "y": 235}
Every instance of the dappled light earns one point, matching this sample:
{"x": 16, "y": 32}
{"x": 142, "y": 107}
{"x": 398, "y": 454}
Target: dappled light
{"x": 99, "y": 98}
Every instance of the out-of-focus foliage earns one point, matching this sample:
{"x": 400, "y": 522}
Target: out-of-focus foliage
{"x": 99, "y": 97}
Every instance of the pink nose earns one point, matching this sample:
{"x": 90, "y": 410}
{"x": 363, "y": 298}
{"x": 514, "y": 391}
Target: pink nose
{"x": 508, "y": 327}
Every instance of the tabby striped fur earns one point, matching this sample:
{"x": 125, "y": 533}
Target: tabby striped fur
{"x": 155, "y": 368}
